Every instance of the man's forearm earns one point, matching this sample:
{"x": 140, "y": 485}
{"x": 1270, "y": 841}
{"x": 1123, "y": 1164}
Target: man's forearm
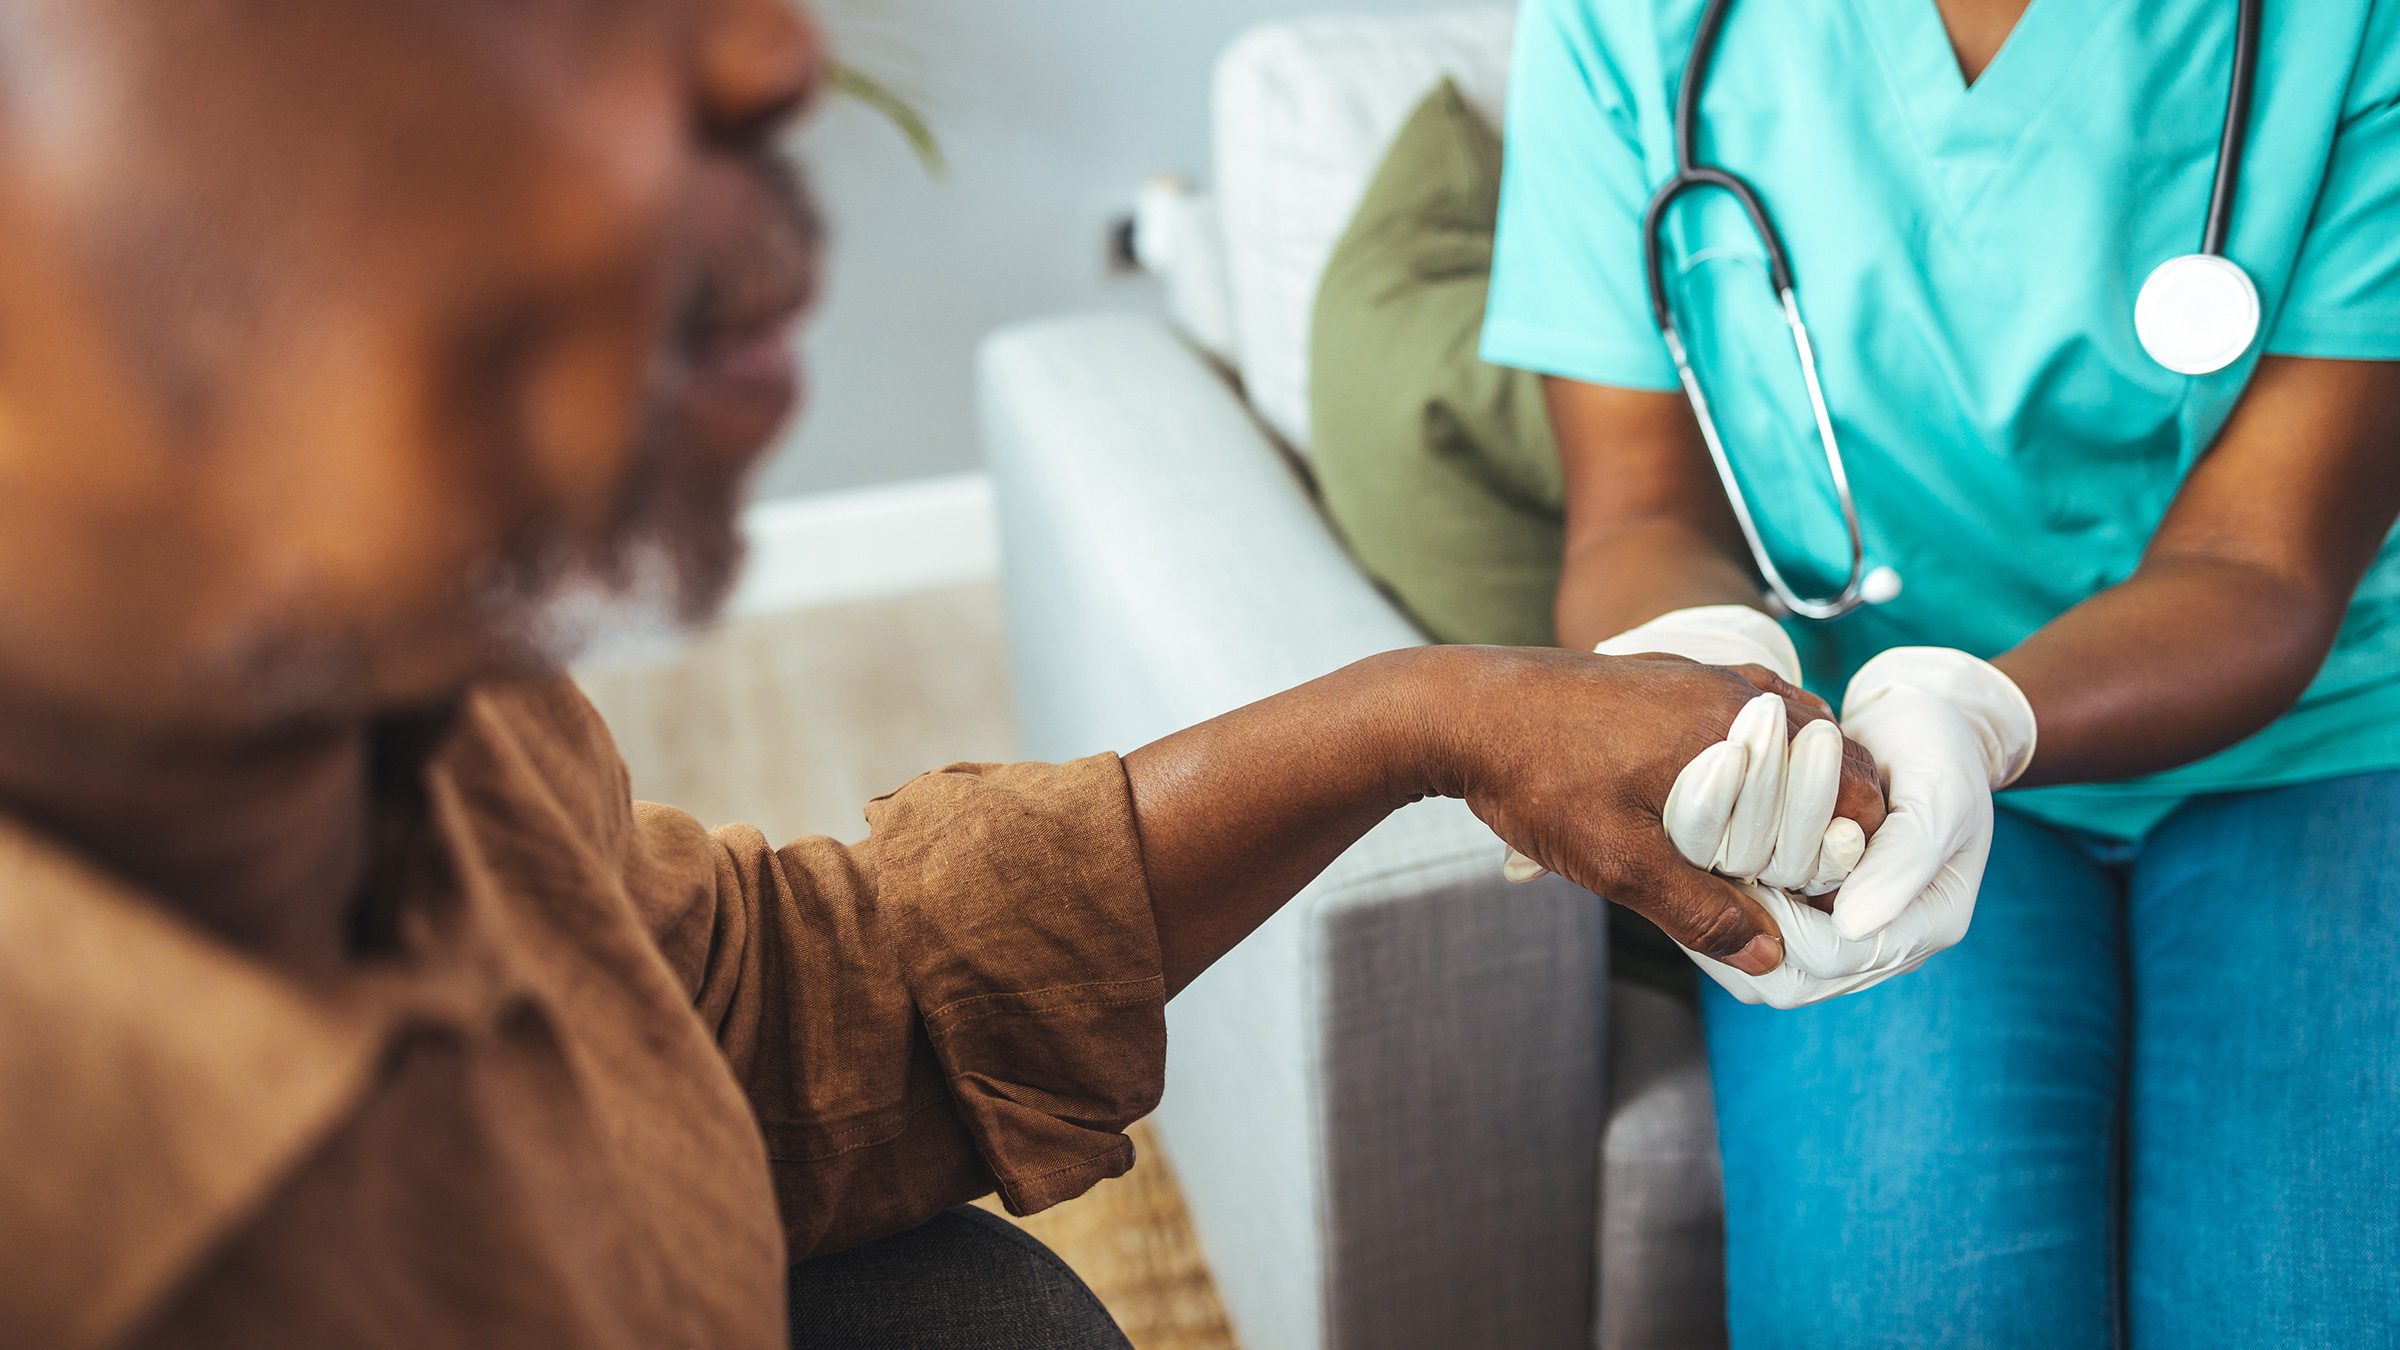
{"x": 1567, "y": 756}
{"x": 1633, "y": 574}
{"x": 1238, "y": 813}
{"x": 2187, "y": 657}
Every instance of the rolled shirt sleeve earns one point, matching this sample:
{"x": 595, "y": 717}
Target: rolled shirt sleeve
{"x": 972, "y": 998}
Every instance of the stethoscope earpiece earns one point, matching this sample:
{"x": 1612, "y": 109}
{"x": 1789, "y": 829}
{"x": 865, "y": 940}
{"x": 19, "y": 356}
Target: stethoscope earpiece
{"x": 2197, "y": 314}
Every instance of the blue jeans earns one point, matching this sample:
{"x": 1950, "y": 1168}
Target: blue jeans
{"x": 2152, "y": 1100}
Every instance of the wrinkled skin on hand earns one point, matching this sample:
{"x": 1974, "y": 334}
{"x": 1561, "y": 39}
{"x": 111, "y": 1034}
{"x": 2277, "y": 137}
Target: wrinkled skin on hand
{"x": 1569, "y": 758}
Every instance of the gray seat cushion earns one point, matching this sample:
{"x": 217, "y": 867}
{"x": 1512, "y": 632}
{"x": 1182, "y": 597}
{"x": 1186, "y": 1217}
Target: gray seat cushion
{"x": 1662, "y": 1193}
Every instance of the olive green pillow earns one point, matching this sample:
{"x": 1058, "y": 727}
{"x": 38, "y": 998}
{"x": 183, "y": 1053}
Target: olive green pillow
{"x": 1439, "y": 470}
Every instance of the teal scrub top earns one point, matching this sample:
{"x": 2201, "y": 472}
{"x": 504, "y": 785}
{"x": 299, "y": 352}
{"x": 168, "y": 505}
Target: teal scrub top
{"x": 1967, "y": 260}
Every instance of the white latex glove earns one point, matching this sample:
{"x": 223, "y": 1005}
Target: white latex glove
{"x": 1713, "y": 635}
{"x": 1818, "y": 963}
{"x": 1758, "y": 805}
{"x": 1947, "y": 730}
{"x": 1750, "y": 807}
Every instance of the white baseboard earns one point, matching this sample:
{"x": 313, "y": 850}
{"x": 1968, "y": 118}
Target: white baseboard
{"x": 835, "y": 548}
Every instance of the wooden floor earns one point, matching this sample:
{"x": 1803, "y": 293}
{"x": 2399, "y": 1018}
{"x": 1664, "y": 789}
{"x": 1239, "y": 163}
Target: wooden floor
{"x": 791, "y": 724}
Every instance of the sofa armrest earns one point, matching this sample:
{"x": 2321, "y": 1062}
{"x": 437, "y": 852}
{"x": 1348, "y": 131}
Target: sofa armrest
{"x": 1384, "y": 1105}
{"x": 1165, "y": 561}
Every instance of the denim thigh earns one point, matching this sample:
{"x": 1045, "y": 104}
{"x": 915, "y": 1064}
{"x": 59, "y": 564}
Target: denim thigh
{"x": 1932, "y": 1162}
{"x": 2263, "y": 1205}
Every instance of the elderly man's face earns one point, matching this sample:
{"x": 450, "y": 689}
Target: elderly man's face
{"x": 352, "y": 350}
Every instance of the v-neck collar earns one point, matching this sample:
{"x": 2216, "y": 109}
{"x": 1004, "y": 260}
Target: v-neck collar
{"x": 1967, "y": 133}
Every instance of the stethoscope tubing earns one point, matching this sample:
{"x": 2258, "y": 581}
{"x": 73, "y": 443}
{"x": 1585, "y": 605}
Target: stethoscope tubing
{"x": 1654, "y": 222}
{"x": 2233, "y": 146}
{"x": 1692, "y": 176}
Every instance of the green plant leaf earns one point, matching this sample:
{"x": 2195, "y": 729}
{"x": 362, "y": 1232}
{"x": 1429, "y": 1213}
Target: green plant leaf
{"x": 875, "y": 94}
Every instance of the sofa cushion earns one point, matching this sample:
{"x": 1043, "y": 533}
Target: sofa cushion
{"x": 1303, "y": 113}
{"x": 1439, "y": 470}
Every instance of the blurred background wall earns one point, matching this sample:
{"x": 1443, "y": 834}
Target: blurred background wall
{"x": 1051, "y": 112}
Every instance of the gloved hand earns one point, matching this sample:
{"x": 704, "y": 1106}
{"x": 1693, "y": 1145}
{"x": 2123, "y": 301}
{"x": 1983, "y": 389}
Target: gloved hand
{"x": 1818, "y": 963}
{"x": 1730, "y": 810}
{"x": 1946, "y": 730}
{"x": 1759, "y": 805}
{"x": 1713, "y": 635}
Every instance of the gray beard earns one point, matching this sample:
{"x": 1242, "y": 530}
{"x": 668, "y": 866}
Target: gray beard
{"x": 673, "y": 553}
{"x": 666, "y": 568}
{"x": 643, "y": 605}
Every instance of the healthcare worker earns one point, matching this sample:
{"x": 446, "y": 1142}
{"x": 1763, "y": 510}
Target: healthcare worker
{"x": 2153, "y": 1096}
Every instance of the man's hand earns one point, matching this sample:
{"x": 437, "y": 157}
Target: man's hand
{"x": 1571, "y": 759}
{"x": 1744, "y": 808}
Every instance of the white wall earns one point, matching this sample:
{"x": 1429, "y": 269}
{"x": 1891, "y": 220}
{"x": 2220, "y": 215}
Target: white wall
{"x": 1051, "y": 112}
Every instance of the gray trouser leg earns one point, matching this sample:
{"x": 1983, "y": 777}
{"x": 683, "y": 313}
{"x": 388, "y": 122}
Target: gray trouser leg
{"x": 966, "y": 1281}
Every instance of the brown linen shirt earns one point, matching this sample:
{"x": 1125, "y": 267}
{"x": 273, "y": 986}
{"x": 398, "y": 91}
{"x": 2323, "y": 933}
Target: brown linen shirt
{"x": 608, "y": 1074}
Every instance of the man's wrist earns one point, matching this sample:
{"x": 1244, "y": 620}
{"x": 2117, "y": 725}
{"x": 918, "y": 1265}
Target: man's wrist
{"x": 1395, "y": 718}
{"x": 1433, "y": 729}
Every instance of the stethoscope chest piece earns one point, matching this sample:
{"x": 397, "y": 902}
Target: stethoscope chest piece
{"x": 2197, "y": 314}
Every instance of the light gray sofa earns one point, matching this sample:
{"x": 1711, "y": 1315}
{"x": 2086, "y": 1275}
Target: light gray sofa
{"x": 1411, "y": 1111}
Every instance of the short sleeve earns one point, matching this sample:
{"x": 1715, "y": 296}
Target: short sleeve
{"x": 1568, "y": 296}
{"x": 2344, "y": 301}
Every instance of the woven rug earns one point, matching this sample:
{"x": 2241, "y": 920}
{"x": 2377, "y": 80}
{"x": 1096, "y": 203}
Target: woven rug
{"x": 1131, "y": 1241}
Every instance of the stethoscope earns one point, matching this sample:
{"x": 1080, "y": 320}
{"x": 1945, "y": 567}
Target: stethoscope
{"x": 2196, "y": 314}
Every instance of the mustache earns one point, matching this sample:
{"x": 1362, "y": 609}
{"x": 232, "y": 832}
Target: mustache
{"x": 672, "y": 548}
{"x": 773, "y": 272}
